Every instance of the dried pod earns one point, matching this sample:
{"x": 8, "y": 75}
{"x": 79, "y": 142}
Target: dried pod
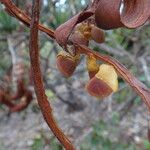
{"x": 92, "y": 66}
{"x": 107, "y": 14}
{"x": 78, "y": 38}
{"x": 104, "y": 82}
{"x": 97, "y": 35}
{"x": 98, "y": 88}
{"x": 135, "y": 13}
{"x": 67, "y": 63}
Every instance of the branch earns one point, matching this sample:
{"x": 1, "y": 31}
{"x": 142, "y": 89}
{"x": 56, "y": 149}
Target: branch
{"x": 26, "y": 100}
{"x": 138, "y": 86}
{"x": 38, "y": 81}
{"x": 12, "y": 9}
{"x": 5, "y": 99}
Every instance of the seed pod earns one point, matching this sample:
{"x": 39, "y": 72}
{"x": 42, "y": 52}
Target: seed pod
{"x": 92, "y": 66}
{"x": 104, "y": 82}
{"x": 67, "y": 63}
{"x": 135, "y": 13}
{"x": 97, "y": 35}
{"x": 98, "y": 88}
{"x": 107, "y": 15}
{"x": 78, "y": 38}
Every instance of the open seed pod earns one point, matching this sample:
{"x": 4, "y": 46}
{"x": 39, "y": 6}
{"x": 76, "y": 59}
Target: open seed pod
{"x": 104, "y": 82}
{"x": 67, "y": 63}
{"x": 97, "y": 35}
{"x": 107, "y": 14}
{"x": 92, "y": 66}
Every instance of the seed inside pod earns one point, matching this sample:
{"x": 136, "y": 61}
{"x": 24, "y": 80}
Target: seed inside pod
{"x": 92, "y": 66}
{"x": 108, "y": 74}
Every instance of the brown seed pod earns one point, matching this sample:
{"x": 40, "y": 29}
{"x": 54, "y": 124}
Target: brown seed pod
{"x": 97, "y": 35}
{"x": 104, "y": 82}
{"x": 78, "y": 38}
{"x": 135, "y": 13}
{"x": 98, "y": 88}
{"x": 67, "y": 63}
{"x": 107, "y": 15}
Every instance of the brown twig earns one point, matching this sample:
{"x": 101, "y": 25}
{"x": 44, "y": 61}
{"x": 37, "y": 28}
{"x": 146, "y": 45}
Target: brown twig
{"x": 23, "y": 104}
{"x": 38, "y": 82}
{"x": 6, "y": 99}
{"x": 138, "y": 86}
{"x": 24, "y": 18}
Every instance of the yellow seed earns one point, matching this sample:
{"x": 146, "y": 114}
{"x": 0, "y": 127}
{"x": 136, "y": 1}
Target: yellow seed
{"x": 108, "y": 74}
{"x": 91, "y": 64}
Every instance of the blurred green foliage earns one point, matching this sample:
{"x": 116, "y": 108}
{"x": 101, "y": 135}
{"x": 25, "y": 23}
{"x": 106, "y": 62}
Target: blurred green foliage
{"x": 146, "y": 144}
{"x": 7, "y": 23}
{"x": 39, "y": 144}
{"x": 102, "y": 138}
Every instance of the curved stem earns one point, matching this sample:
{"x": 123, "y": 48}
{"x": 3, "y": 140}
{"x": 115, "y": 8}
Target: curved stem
{"x": 13, "y": 10}
{"x": 38, "y": 81}
{"x": 138, "y": 86}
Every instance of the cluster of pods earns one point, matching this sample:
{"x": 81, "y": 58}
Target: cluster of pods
{"x": 87, "y": 25}
{"x": 103, "y": 77}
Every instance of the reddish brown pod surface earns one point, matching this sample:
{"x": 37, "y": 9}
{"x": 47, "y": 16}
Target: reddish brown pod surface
{"x": 78, "y": 38}
{"x": 67, "y": 63}
{"x": 97, "y": 35}
{"x": 98, "y": 88}
{"x": 104, "y": 82}
{"x": 107, "y": 15}
{"x": 135, "y": 13}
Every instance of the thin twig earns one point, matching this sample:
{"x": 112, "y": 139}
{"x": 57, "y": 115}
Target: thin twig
{"x": 138, "y": 86}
